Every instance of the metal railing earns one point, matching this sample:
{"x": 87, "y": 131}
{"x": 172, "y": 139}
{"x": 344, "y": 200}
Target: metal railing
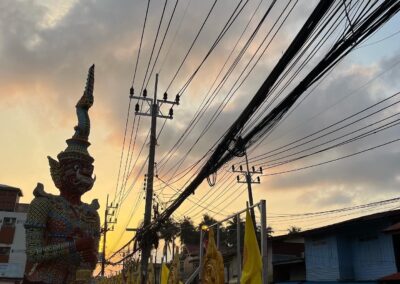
{"x": 263, "y": 220}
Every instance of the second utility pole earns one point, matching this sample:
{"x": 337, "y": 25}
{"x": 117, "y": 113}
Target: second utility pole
{"x": 248, "y": 179}
{"x": 105, "y": 230}
{"x": 154, "y": 112}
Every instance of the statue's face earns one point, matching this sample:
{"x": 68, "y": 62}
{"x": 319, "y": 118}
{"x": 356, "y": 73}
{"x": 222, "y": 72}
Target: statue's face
{"x": 76, "y": 176}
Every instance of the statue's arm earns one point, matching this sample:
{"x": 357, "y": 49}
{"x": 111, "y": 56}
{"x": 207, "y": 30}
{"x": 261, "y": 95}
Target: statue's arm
{"x": 35, "y": 226}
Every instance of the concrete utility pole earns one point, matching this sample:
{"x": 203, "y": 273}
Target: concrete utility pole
{"x": 106, "y": 229}
{"x": 248, "y": 179}
{"x": 154, "y": 112}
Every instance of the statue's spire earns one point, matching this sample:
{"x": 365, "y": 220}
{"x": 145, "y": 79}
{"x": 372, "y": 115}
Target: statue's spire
{"x": 76, "y": 154}
{"x": 82, "y": 130}
{"x": 78, "y": 144}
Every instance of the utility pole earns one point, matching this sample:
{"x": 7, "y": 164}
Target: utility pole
{"x": 249, "y": 180}
{"x": 154, "y": 112}
{"x": 105, "y": 230}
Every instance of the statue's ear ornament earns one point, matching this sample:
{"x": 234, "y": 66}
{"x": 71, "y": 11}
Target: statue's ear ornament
{"x": 55, "y": 171}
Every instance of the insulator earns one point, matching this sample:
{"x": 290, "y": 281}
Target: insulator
{"x": 241, "y": 168}
{"x": 171, "y": 112}
{"x": 233, "y": 168}
{"x": 165, "y": 96}
{"x": 145, "y": 93}
{"x": 261, "y": 170}
{"x": 137, "y": 107}
{"x": 177, "y": 98}
{"x": 253, "y": 168}
{"x": 131, "y": 91}
{"x": 237, "y": 177}
{"x": 258, "y": 179}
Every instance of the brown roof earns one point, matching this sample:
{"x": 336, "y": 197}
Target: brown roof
{"x": 10, "y": 188}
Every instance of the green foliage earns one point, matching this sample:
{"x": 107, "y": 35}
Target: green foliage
{"x": 188, "y": 232}
{"x": 294, "y": 230}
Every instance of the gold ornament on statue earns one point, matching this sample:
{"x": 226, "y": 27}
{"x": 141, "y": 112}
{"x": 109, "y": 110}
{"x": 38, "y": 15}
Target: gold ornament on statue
{"x": 213, "y": 265}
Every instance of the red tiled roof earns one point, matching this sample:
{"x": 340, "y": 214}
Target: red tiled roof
{"x": 395, "y": 276}
{"x": 393, "y": 229}
{"x": 11, "y": 188}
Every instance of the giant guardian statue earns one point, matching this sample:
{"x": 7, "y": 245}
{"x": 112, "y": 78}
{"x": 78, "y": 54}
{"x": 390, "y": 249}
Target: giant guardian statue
{"x": 62, "y": 232}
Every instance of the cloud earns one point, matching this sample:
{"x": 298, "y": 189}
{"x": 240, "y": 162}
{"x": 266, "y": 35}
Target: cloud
{"x": 47, "y": 47}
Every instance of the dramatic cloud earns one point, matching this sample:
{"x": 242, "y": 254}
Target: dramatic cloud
{"x": 46, "y": 48}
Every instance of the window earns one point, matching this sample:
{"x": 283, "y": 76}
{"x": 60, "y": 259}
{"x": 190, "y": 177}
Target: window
{"x": 5, "y": 250}
{"x": 8, "y": 221}
{"x": 4, "y": 254}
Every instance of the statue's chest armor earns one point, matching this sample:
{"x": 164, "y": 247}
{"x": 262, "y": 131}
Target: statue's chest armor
{"x": 68, "y": 221}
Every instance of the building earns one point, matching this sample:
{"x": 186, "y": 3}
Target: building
{"x": 12, "y": 235}
{"x": 287, "y": 257}
{"x": 364, "y": 249}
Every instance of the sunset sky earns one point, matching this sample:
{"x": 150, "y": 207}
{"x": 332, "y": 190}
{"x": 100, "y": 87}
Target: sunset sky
{"x": 47, "y": 46}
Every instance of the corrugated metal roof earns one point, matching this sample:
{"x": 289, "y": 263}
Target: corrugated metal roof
{"x": 381, "y": 215}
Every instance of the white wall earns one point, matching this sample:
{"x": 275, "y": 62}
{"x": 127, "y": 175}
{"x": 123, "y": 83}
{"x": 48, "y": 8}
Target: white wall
{"x": 373, "y": 256}
{"x": 321, "y": 256}
{"x": 16, "y": 266}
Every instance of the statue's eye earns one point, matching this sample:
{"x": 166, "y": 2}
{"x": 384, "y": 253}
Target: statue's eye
{"x": 76, "y": 167}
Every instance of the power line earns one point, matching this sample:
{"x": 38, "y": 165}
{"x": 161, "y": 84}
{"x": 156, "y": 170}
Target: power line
{"x": 140, "y": 44}
{"x": 372, "y": 22}
{"x": 152, "y": 49}
{"x": 201, "y": 109}
{"x": 174, "y": 37}
{"x": 162, "y": 41}
{"x": 256, "y": 158}
{"x": 129, "y": 105}
{"x": 218, "y": 88}
{"x": 333, "y": 160}
{"x": 191, "y": 46}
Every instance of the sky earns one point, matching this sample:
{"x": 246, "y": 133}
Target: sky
{"x": 46, "y": 48}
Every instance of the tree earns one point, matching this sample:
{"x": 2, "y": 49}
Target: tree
{"x": 168, "y": 232}
{"x": 294, "y": 230}
{"x": 231, "y": 232}
{"x": 270, "y": 231}
{"x": 188, "y": 233}
{"x": 208, "y": 220}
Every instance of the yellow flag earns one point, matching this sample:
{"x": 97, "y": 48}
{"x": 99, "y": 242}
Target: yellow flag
{"x": 164, "y": 274}
{"x": 252, "y": 262}
{"x": 150, "y": 275}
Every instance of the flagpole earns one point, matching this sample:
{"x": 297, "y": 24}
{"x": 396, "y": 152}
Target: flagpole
{"x": 264, "y": 237}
